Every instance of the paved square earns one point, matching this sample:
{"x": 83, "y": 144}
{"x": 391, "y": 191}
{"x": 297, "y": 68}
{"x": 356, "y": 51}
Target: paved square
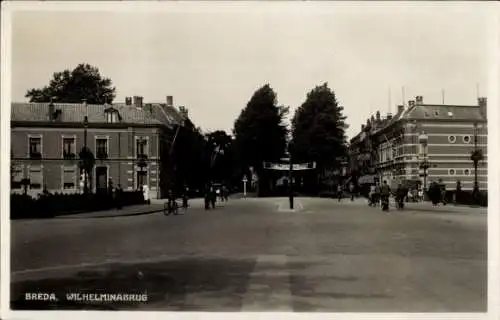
{"x": 254, "y": 255}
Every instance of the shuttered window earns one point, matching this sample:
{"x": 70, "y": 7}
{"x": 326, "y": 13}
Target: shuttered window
{"x": 36, "y": 178}
{"x": 69, "y": 177}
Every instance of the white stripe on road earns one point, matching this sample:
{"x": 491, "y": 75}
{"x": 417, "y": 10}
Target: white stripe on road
{"x": 285, "y": 206}
{"x": 269, "y": 290}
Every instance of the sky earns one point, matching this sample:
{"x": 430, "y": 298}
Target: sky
{"x": 211, "y": 57}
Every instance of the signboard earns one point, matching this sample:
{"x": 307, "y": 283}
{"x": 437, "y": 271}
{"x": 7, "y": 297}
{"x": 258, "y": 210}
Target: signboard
{"x": 286, "y": 167}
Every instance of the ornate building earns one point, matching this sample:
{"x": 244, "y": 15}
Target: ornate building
{"x": 422, "y": 143}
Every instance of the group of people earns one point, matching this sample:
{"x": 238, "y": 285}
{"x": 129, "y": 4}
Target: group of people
{"x": 380, "y": 194}
{"x": 211, "y": 194}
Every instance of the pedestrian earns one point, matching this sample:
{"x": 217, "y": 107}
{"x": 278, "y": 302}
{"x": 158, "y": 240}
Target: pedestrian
{"x": 385, "y": 193}
{"x": 145, "y": 193}
{"x": 226, "y": 193}
{"x": 213, "y": 197}
{"x": 118, "y": 197}
{"x": 207, "y": 198}
{"x": 400, "y": 196}
{"x": 351, "y": 190}
{"x": 371, "y": 196}
{"x": 377, "y": 194}
{"x": 185, "y": 199}
{"x": 339, "y": 193}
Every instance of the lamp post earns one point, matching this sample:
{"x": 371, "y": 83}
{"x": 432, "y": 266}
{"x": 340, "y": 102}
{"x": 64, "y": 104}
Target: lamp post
{"x": 476, "y": 156}
{"x": 423, "y": 140}
{"x": 85, "y": 173}
{"x": 290, "y": 175}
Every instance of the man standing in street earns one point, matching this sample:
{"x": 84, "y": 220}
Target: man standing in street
{"x": 385, "y": 192}
{"x": 351, "y": 190}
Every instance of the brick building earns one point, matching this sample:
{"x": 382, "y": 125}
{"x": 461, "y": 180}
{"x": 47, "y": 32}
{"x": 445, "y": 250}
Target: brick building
{"x": 46, "y": 139}
{"x": 438, "y": 137}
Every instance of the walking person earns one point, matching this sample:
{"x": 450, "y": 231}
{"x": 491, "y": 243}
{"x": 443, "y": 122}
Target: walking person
{"x": 226, "y": 193}
{"x": 207, "y": 198}
{"x": 213, "y": 197}
{"x": 339, "y": 193}
{"x": 185, "y": 200}
{"x": 118, "y": 197}
{"x": 351, "y": 190}
{"x": 385, "y": 193}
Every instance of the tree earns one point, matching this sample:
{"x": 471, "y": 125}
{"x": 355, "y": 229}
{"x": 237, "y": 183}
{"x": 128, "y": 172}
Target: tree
{"x": 219, "y": 148}
{"x": 260, "y": 133}
{"x": 319, "y": 130}
{"x": 83, "y": 82}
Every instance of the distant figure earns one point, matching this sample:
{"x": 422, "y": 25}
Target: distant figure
{"x": 185, "y": 199}
{"x": 145, "y": 193}
{"x": 225, "y": 191}
{"x": 385, "y": 192}
{"x": 372, "y": 196}
{"x": 118, "y": 197}
{"x": 351, "y": 190}
{"x": 213, "y": 197}
{"x": 339, "y": 193}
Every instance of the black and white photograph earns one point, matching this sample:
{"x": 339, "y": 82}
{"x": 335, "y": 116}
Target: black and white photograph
{"x": 296, "y": 157}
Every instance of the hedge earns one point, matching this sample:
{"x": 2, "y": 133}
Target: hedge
{"x": 50, "y": 205}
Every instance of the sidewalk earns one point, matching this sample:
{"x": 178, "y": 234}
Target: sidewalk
{"x": 134, "y": 210}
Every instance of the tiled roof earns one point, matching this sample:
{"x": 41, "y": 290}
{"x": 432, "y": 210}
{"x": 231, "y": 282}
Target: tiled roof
{"x": 444, "y": 112}
{"x": 149, "y": 114}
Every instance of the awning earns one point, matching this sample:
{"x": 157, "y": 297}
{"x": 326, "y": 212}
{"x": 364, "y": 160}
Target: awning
{"x": 367, "y": 179}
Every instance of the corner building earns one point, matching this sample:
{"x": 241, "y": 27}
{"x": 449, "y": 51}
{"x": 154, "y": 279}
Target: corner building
{"x": 46, "y": 139}
{"x": 437, "y": 136}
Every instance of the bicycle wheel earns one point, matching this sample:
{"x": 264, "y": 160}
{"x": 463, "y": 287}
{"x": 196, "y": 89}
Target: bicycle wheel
{"x": 166, "y": 210}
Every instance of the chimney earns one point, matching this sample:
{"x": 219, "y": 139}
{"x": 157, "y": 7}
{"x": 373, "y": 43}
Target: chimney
{"x": 128, "y": 101}
{"x": 389, "y": 116}
{"x": 401, "y": 109}
{"x": 411, "y": 103}
{"x": 378, "y": 115}
{"x": 362, "y": 127}
{"x": 483, "y": 106}
{"x": 138, "y": 102}
{"x": 170, "y": 101}
{"x": 419, "y": 100}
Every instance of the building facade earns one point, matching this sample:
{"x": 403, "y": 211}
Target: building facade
{"x": 423, "y": 143}
{"x": 127, "y": 140}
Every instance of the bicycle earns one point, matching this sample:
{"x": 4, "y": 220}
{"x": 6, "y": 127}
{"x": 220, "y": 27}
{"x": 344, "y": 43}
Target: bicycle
{"x": 167, "y": 209}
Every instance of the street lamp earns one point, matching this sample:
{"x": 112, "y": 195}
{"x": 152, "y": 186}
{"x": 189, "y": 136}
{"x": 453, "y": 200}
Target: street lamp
{"x": 290, "y": 175}
{"x": 476, "y": 156}
{"x": 423, "y": 140}
{"x": 85, "y": 127}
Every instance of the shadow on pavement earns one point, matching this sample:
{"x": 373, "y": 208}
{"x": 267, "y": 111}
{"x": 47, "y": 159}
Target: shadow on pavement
{"x": 167, "y": 285}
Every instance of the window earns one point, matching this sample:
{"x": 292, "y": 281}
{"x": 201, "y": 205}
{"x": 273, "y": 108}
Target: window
{"x": 16, "y": 177}
{"x": 452, "y": 139}
{"x": 436, "y": 113}
{"x": 112, "y": 116}
{"x": 141, "y": 147}
{"x": 69, "y": 178}
{"x": 451, "y": 172}
{"x": 102, "y": 148}
{"x": 466, "y": 139}
{"x": 35, "y": 148}
{"x": 36, "y": 178}
{"x": 69, "y": 148}
{"x": 467, "y": 172}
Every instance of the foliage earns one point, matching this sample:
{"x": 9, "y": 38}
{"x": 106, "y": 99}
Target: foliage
{"x": 319, "y": 129}
{"x": 260, "y": 133}
{"x": 73, "y": 86}
{"x": 221, "y": 156}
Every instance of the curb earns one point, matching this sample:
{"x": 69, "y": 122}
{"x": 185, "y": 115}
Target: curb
{"x": 111, "y": 216}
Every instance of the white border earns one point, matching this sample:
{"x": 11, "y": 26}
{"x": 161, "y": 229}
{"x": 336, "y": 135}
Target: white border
{"x": 493, "y": 220}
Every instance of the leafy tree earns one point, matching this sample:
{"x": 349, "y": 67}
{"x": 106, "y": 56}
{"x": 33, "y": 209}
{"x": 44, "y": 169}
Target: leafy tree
{"x": 319, "y": 130}
{"x": 219, "y": 148}
{"x": 83, "y": 82}
{"x": 260, "y": 133}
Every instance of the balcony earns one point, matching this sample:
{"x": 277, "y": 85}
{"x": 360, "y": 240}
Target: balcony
{"x": 35, "y": 155}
